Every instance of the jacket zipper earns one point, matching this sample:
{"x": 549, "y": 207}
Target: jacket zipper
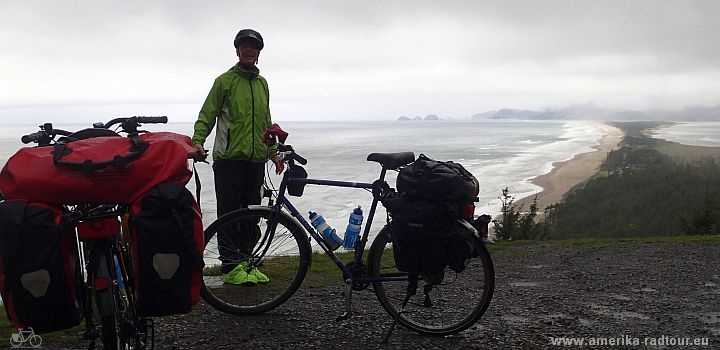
{"x": 252, "y": 101}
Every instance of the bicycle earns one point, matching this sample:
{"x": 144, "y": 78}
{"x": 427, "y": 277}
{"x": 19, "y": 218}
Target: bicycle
{"x": 107, "y": 274}
{"x": 283, "y": 252}
{"x": 19, "y": 339}
{"x": 109, "y": 281}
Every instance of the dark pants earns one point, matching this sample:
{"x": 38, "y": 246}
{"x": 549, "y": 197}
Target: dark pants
{"x": 238, "y": 184}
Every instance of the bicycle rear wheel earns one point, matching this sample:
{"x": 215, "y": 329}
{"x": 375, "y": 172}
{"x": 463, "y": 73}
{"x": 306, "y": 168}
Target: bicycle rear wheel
{"x": 282, "y": 252}
{"x": 448, "y": 308}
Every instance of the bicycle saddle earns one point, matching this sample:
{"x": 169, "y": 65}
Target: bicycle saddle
{"x": 392, "y": 160}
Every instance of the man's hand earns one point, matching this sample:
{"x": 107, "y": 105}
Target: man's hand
{"x": 279, "y": 164}
{"x": 200, "y": 153}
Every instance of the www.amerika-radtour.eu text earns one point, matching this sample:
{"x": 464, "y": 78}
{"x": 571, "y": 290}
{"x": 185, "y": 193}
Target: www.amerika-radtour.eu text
{"x": 627, "y": 340}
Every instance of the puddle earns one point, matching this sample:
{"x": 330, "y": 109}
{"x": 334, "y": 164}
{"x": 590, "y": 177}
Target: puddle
{"x": 555, "y": 316}
{"x": 524, "y": 284}
{"x": 585, "y": 322}
{"x": 709, "y": 318}
{"x": 620, "y": 297}
{"x": 537, "y": 266}
{"x": 518, "y": 320}
{"x": 623, "y": 315}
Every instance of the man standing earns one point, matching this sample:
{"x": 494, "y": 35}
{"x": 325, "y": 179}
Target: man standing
{"x": 238, "y": 106}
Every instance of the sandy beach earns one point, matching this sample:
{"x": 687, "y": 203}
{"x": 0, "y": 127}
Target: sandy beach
{"x": 567, "y": 174}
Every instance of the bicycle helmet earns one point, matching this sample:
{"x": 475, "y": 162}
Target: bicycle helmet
{"x": 248, "y": 34}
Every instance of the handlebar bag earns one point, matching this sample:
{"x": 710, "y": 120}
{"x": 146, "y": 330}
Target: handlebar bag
{"x": 39, "y": 267}
{"x": 97, "y": 170}
{"x": 167, "y": 237}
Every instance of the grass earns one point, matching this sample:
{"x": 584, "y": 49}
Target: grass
{"x": 7, "y": 330}
{"x": 322, "y": 272}
{"x": 605, "y": 242}
{"x": 509, "y": 246}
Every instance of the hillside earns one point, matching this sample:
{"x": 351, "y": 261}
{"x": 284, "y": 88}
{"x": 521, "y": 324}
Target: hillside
{"x": 647, "y": 187}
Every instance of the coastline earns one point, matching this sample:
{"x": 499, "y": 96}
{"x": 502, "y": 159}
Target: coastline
{"x": 565, "y": 175}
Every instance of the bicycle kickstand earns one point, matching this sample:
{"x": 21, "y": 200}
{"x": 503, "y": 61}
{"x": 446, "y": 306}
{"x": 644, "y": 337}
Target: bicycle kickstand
{"x": 348, "y": 301}
{"x": 411, "y": 290}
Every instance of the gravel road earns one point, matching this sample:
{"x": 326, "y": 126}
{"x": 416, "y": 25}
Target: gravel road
{"x": 630, "y": 295}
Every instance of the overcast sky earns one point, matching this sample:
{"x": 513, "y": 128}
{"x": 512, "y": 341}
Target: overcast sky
{"x": 333, "y": 59}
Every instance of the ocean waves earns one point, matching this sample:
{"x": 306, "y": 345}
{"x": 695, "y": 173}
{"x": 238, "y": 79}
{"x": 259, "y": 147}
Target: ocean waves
{"x": 499, "y": 153}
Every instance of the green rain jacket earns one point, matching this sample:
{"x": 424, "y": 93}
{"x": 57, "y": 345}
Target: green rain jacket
{"x": 239, "y": 103}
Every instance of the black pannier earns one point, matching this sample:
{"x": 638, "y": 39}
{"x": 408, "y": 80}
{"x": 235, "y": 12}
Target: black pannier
{"x": 426, "y": 232}
{"x": 431, "y": 180}
{"x": 421, "y": 233}
{"x": 39, "y": 267}
{"x": 167, "y": 236}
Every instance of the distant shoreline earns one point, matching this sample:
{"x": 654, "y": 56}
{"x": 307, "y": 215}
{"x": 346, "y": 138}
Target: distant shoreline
{"x": 565, "y": 175}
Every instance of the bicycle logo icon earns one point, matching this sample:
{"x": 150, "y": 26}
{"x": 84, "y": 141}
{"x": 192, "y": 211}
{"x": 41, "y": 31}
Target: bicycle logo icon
{"x": 18, "y": 340}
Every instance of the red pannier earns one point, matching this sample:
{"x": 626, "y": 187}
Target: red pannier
{"x": 166, "y": 232}
{"x": 97, "y": 170}
{"x": 39, "y": 267}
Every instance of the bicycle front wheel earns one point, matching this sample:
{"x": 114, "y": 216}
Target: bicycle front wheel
{"x": 247, "y": 239}
{"x": 436, "y": 309}
{"x": 106, "y": 293}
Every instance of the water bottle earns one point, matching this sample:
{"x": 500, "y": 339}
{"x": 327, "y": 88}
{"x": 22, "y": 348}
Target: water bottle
{"x": 352, "y": 232}
{"x": 327, "y": 232}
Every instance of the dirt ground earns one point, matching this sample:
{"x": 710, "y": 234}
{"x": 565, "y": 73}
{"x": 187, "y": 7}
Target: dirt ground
{"x": 631, "y": 295}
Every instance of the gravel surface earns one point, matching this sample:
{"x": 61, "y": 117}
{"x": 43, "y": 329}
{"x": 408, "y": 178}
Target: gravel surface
{"x": 627, "y": 294}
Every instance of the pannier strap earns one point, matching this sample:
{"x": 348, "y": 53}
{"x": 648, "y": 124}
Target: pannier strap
{"x": 88, "y": 166}
{"x": 392, "y": 161}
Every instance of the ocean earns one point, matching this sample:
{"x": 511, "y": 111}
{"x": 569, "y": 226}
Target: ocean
{"x": 695, "y": 134}
{"x": 500, "y": 154}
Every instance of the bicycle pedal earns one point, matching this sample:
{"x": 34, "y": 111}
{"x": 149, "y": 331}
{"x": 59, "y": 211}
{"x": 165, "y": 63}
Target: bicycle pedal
{"x": 344, "y": 316}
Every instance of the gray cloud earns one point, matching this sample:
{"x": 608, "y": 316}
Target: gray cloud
{"x": 328, "y": 59}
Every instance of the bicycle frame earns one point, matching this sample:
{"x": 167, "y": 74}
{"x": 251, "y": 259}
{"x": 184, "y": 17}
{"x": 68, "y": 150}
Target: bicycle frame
{"x": 378, "y": 188}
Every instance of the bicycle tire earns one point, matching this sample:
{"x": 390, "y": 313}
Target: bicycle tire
{"x": 133, "y": 333}
{"x": 284, "y": 258}
{"x": 118, "y": 326}
{"x": 458, "y": 302}
{"x": 106, "y": 299}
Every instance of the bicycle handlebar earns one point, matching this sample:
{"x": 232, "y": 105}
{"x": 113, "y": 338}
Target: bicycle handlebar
{"x": 45, "y": 135}
{"x": 291, "y": 152}
{"x": 137, "y": 119}
{"x": 34, "y": 137}
{"x": 128, "y": 124}
{"x": 299, "y": 159}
